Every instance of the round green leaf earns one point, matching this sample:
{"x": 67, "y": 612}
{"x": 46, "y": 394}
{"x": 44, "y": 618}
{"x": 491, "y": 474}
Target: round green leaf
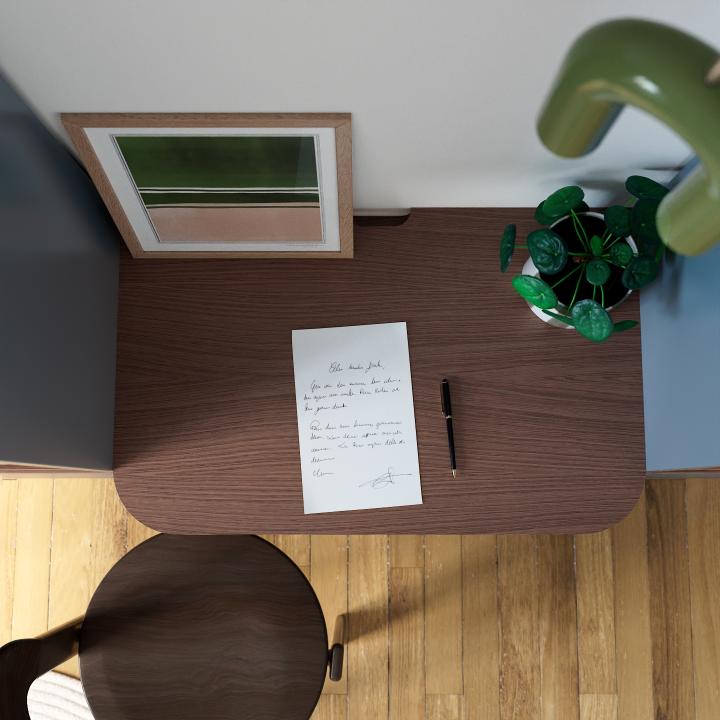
{"x": 645, "y": 188}
{"x": 625, "y": 325}
{"x": 596, "y": 245}
{"x": 617, "y": 219}
{"x": 640, "y": 271}
{"x": 548, "y": 251}
{"x": 642, "y": 224}
{"x": 621, "y": 253}
{"x": 592, "y": 320}
{"x": 541, "y": 217}
{"x": 581, "y": 208}
{"x": 507, "y": 246}
{"x": 535, "y": 291}
{"x": 562, "y": 201}
{"x": 597, "y": 271}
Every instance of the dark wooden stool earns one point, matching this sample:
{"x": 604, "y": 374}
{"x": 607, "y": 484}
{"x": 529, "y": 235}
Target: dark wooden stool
{"x": 190, "y": 627}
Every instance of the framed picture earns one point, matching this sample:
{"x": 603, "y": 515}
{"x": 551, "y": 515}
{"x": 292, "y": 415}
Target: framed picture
{"x": 222, "y": 185}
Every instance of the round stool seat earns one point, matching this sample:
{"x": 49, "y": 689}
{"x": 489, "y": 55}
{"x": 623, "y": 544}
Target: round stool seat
{"x": 203, "y": 628}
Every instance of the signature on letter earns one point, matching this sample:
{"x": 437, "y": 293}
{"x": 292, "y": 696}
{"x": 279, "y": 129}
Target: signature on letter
{"x": 381, "y": 481}
{"x": 321, "y": 474}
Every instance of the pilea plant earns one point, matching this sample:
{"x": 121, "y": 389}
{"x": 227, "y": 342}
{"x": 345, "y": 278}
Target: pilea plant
{"x": 586, "y": 262}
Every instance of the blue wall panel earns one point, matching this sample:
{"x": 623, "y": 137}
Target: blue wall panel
{"x": 680, "y": 320}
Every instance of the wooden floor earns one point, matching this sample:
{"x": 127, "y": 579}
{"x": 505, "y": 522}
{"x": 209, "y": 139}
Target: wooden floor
{"x": 623, "y": 624}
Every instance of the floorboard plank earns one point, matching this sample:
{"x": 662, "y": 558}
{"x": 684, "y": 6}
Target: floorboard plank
{"x": 136, "y": 532}
{"x": 443, "y": 615}
{"x": 407, "y": 551}
{"x": 596, "y": 614}
{"x": 407, "y": 644}
{"x": 109, "y": 536}
{"x": 598, "y": 707}
{"x": 296, "y": 547}
{"x": 331, "y": 707}
{"x": 329, "y": 578}
{"x": 632, "y": 617}
{"x": 557, "y": 628}
{"x": 72, "y": 577}
{"x": 518, "y": 610}
{"x": 445, "y": 707}
{"x": 8, "y": 532}
{"x": 703, "y": 517}
{"x": 670, "y": 619}
{"x": 32, "y": 557}
{"x": 368, "y": 628}
{"x": 481, "y": 648}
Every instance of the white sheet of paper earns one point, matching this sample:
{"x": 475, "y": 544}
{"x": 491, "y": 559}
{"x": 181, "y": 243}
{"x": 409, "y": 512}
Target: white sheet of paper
{"x": 356, "y": 419}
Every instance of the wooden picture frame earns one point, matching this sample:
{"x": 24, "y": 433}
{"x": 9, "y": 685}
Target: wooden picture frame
{"x": 98, "y": 137}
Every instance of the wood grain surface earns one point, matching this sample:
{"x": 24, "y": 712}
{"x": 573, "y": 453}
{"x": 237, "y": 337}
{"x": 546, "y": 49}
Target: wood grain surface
{"x": 633, "y": 642}
{"x": 548, "y": 426}
{"x": 670, "y": 604}
{"x": 368, "y": 614}
{"x": 558, "y": 628}
{"x": 595, "y": 614}
{"x": 406, "y": 668}
{"x": 443, "y": 613}
{"x": 481, "y": 642}
{"x": 703, "y": 520}
{"x": 8, "y": 533}
{"x": 519, "y": 628}
{"x": 32, "y": 549}
{"x": 201, "y": 627}
{"x": 328, "y": 575}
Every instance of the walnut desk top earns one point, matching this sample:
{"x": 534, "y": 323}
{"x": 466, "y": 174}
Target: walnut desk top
{"x": 549, "y": 427}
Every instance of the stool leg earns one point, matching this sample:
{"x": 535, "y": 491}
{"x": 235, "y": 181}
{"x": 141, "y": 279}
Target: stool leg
{"x": 336, "y": 654}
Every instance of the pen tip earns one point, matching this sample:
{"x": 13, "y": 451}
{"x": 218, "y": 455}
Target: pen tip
{"x": 454, "y": 472}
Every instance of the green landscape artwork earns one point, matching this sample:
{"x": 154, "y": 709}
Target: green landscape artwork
{"x": 220, "y": 188}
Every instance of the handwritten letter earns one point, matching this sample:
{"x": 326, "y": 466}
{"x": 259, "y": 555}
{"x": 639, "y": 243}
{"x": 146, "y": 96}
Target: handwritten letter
{"x": 356, "y": 419}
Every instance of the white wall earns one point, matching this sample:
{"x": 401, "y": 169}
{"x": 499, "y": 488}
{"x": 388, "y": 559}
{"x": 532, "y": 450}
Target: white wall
{"x": 444, "y": 95}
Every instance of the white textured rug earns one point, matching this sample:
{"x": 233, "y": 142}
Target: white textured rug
{"x": 57, "y": 697}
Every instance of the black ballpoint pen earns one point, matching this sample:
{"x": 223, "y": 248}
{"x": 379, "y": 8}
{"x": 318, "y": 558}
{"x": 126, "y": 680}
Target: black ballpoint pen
{"x": 447, "y": 414}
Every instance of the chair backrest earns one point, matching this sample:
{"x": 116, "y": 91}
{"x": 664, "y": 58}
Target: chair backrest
{"x": 22, "y": 661}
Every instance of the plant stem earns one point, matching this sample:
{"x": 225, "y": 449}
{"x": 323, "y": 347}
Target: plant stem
{"x": 575, "y": 269}
{"x": 583, "y": 241}
{"x": 602, "y": 296}
{"x": 582, "y": 235}
{"x": 594, "y": 289}
{"x": 585, "y": 255}
{"x": 577, "y": 285}
{"x": 613, "y": 242}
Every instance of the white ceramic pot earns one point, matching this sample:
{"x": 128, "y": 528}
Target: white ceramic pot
{"x": 530, "y": 269}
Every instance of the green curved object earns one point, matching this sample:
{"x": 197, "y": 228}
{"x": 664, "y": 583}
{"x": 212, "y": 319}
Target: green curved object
{"x": 660, "y": 70}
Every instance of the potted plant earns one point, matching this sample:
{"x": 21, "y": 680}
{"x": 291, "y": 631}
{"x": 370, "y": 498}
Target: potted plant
{"x": 583, "y": 264}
